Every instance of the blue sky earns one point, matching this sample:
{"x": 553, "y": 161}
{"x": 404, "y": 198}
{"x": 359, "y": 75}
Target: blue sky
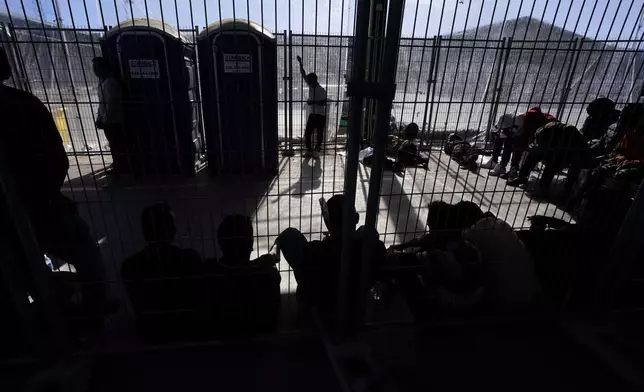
{"x": 603, "y": 18}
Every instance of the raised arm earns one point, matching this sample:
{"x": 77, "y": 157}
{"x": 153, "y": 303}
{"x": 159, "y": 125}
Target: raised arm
{"x": 302, "y": 71}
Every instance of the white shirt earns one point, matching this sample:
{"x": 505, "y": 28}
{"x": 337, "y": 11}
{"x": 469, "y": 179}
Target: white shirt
{"x": 317, "y": 93}
{"x": 110, "y": 105}
{"x": 509, "y": 275}
{"x": 508, "y": 121}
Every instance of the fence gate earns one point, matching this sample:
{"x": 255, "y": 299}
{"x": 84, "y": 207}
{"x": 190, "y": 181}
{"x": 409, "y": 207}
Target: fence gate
{"x": 329, "y": 57}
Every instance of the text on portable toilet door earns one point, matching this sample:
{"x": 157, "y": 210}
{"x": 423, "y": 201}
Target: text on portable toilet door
{"x": 237, "y": 63}
{"x": 144, "y": 69}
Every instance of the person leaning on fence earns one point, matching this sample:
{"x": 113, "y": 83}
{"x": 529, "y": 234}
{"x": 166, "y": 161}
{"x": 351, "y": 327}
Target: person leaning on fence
{"x": 316, "y": 264}
{"x": 109, "y": 117}
{"x": 37, "y": 165}
{"x": 161, "y": 280}
{"x": 316, "y": 120}
{"x": 504, "y": 136}
{"x": 243, "y": 295}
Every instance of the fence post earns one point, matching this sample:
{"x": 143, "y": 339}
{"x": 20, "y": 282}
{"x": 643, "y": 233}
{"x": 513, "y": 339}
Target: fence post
{"x": 386, "y": 94}
{"x": 431, "y": 86}
{"x": 351, "y": 166}
{"x": 506, "y": 46}
{"x": 288, "y": 66}
{"x": 377, "y": 18}
{"x": 569, "y": 74}
{"x": 290, "y": 87}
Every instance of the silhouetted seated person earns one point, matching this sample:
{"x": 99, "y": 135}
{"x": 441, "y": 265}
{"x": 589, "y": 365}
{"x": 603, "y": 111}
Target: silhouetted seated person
{"x": 629, "y": 120}
{"x": 462, "y": 151}
{"x": 403, "y": 148}
{"x": 557, "y": 145}
{"x": 623, "y": 166}
{"x": 316, "y": 264}
{"x": 401, "y": 151}
{"x": 601, "y": 115}
{"x": 445, "y": 223}
{"x": 37, "y": 164}
{"x": 162, "y": 280}
{"x": 243, "y": 294}
{"x": 425, "y": 272}
{"x": 477, "y": 264}
{"x": 630, "y": 146}
{"x": 507, "y": 271}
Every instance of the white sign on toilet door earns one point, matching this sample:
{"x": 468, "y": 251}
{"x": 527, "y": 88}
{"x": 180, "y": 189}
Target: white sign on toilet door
{"x": 144, "y": 69}
{"x": 238, "y": 63}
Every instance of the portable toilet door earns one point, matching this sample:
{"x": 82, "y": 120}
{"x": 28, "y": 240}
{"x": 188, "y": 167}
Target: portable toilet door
{"x": 152, "y": 65}
{"x": 239, "y": 89}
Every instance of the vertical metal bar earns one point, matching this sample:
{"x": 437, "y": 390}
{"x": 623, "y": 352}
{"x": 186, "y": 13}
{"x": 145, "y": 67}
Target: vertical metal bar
{"x": 351, "y": 166}
{"x": 431, "y": 82}
{"x": 290, "y": 84}
{"x": 571, "y": 70}
{"x": 388, "y": 77}
{"x": 287, "y": 128}
{"x": 498, "y": 85}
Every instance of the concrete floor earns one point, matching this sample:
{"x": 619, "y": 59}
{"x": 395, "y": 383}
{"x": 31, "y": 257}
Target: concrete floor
{"x": 289, "y": 199}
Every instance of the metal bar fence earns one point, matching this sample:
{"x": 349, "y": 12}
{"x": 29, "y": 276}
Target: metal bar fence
{"x": 447, "y": 81}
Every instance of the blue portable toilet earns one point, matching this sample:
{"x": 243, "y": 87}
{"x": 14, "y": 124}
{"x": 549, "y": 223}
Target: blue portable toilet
{"x": 156, "y": 66}
{"x": 238, "y": 75}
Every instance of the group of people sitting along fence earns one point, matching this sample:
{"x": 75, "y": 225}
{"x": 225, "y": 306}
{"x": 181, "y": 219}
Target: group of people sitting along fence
{"x": 610, "y": 145}
{"x": 470, "y": 262}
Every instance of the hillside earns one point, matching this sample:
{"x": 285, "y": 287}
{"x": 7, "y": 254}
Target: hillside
{"x": 535, "y": 70}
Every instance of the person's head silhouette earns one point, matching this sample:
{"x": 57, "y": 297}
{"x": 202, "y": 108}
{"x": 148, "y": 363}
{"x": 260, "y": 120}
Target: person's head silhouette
{"x": 466, "y": 214}
{"x": 158, "y": 224}
{"x": 235, "y": 236}
{"x": 335, "y": 207}
{"x": 102, "y": 67}
{"x": 312, "y": 79}
{"x": 438, "y": 215}
{"x": 411, "y": 131}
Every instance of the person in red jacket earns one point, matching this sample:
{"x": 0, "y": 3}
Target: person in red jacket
{"x": 531, "y": 120}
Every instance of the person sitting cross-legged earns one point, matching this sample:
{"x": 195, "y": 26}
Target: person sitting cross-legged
{"x": 243, "y": 294}
{"x": 160, "y": 280}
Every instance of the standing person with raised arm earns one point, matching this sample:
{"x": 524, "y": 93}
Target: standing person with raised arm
{"x": 317, "y": 101}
